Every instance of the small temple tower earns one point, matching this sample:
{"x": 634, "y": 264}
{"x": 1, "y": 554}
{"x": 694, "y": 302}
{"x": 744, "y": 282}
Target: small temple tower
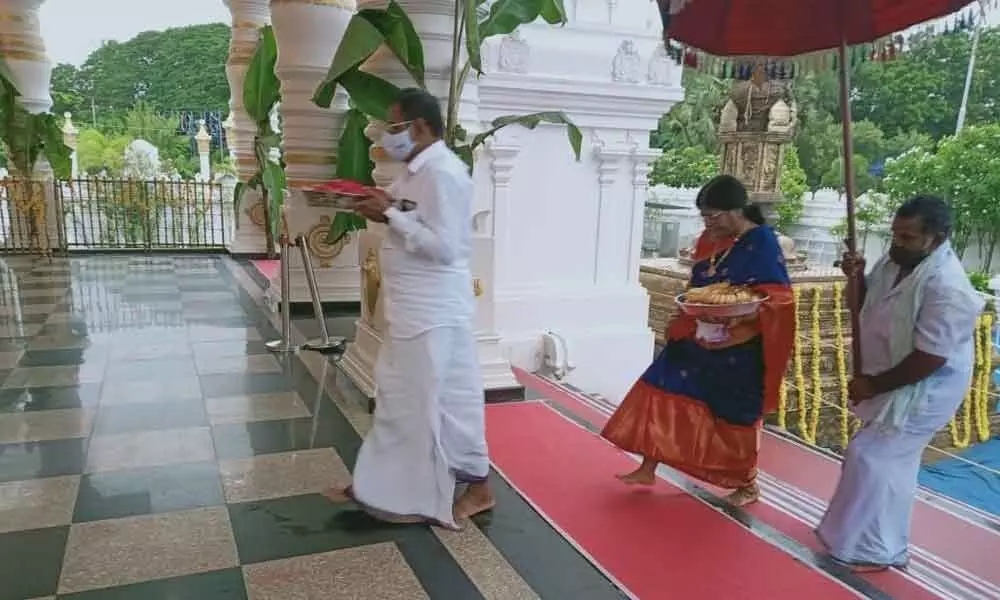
{"x": 756, "y": 124}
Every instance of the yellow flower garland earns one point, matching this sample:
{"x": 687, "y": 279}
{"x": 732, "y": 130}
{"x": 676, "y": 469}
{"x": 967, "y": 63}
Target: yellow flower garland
{"x": 842, "y": 377}
{"x": 975, "y": 407}
{"x": 817, "y": 359}
{"x": 800, "y": 376}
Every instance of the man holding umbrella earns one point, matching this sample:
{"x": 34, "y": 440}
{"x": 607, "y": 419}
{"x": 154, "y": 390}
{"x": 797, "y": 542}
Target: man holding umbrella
{"x": 917, "y": 322}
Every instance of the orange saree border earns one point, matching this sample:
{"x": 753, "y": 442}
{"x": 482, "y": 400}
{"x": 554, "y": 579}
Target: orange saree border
{"x": 683, "y": 433}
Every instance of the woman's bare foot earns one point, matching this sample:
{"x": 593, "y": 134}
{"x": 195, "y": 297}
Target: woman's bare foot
{"x": 477, "y": 499}
{"x": 745, "y": 495}
{"x": 644, "y": 475}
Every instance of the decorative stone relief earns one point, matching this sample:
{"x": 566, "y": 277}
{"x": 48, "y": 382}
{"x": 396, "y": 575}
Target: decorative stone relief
{"x": 316, "y": 243}
{"x": 371, "y": 277}
{"x": 730, "y": 115}
{"x": 627, "y": 63}
{"x": 658, "y": 72}
{"x": 514, "y": 53}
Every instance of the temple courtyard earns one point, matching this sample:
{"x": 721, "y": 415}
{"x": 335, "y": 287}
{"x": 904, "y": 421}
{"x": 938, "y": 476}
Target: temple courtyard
{"x": 152, "y": 447}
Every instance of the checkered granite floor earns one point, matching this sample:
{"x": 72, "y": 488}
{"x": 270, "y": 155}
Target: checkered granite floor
{"x": 151, "y": 447}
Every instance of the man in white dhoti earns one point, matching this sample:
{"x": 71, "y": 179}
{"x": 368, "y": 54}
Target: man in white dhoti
{"x": 917, "y": 346}
{"x": 428, "y": 433}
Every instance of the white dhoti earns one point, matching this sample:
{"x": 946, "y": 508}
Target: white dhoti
{"x": 429, "y": 426}
{"x": 868, "y": 520}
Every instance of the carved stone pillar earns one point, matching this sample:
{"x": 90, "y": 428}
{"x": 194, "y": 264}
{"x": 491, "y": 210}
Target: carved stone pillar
{"x": 71, "y": 136}
{"x": 308, "y": 33}
{"x": 248, "y": 16}
{"x": 433, "y": 22}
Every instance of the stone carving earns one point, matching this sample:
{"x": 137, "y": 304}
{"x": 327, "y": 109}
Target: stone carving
{"x": 730, "y": 115}
{"x": 780, "y": 117}
{"x": 658, "y": 72}
{"x": 142, "y": 160}
{"x": 769, "y": 168}
{"x": 627, "y": 63}
{"x": 256, "y": 213}
{"x": 371, "y": 279}
{"x": 749, "y": 164}
{"x": 514, "y": 53}
{"x": 316, "y": 243}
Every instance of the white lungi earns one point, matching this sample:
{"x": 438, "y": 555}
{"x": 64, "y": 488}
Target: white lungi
{"x": 429, "y": 426}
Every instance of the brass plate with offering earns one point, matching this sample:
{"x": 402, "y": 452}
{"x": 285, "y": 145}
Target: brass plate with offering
{"x": 713, "y": 305}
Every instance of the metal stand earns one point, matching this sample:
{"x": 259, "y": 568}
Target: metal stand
{"x": 284, "y": 345}
{"x": 325, "y": 343}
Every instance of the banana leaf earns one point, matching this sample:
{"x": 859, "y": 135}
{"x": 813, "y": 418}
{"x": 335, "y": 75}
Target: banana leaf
{"x": 262, "y": 88}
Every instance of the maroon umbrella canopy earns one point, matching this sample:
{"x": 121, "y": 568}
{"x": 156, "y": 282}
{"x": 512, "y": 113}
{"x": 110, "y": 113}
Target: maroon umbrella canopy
{"x": 785, "y": 28}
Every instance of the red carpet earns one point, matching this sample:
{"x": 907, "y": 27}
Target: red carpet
{"x": 660, "y": 543}
{"x": 268, "y": 268}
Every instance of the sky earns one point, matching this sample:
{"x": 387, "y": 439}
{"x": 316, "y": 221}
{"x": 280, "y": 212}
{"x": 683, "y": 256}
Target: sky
{"x": 72, "y": 29}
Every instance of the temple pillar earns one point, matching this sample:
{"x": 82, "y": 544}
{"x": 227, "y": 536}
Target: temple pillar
{"x": 71, "y": 136}
{"x": 556, "y": 241}
{"x": 433, "y": 22}
{"x": 308, "y": 33}
{"x": 248, "y": 16}
{"x": 23, "y": 52}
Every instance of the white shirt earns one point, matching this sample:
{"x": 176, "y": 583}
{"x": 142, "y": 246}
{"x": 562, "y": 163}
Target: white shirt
{"x": 945, "y": 325}
{"x": 427, "y": 251}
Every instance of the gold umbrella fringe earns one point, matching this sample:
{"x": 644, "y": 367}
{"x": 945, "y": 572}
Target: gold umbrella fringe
{"x": 787, "y": 68}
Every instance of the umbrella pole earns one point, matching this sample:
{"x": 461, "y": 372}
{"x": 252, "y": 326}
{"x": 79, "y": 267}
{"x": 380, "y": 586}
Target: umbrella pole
{"x": 853, "y": 284}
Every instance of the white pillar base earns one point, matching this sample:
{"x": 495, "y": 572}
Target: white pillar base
{"x": 337, "y": 273}
{"x": 608, "y": 345}
{"x": 248, "y": 238}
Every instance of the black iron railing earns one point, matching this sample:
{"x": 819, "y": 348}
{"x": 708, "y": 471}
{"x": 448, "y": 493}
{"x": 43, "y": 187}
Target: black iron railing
{"x": 121, "y": 214}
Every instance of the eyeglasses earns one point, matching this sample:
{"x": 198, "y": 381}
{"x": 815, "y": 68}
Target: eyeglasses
{"x": 711, "y": 216}
{"x": 398, "y": 127}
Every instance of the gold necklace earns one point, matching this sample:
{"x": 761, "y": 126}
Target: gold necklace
{"x": 717, "y": 259}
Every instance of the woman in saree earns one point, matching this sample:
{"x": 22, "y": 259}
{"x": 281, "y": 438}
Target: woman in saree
{"x": 700, "y": 405}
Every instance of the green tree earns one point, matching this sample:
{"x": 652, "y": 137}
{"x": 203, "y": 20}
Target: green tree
{"x": 176, "y": 69}
{"x": 970, "y": 174}
{"x": 67, "y": 95}
{"x": 684, "y": 167}
{"x": 98, "y": 152}
{"x": 921, "y": 89}
{"x": 863, "y": 180}
{"x": 793, "y": 191}
{"x": 818, "y": 144}
{"x": 692, "y": 122}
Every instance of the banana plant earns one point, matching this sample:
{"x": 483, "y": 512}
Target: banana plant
{"x": 371, "y": 95}
{"x": 30, "y": 136}
{"x": 261, "y": 92}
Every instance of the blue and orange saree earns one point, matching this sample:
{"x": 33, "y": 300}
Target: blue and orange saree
{"x": 699, "y": 409}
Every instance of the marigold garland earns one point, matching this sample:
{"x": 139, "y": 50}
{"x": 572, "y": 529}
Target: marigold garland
{"x": 800, "y": 376}
{"x": 817, "y": 359}
{"x": 842, "y": 377}
{"x": 974, "y": 412}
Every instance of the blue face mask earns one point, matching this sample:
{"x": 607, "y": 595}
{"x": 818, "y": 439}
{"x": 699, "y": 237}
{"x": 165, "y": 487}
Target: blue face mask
{"x": 399, "y": 146}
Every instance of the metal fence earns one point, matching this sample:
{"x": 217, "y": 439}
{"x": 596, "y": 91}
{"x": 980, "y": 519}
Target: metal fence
{"x": 118, "y": 214}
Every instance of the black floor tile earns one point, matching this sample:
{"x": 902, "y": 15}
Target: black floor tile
{"x": 144, "y": 416}
{"x": 298, "y": 525}
{"x": 57, "y": 357}
{"x": 537, "y": 551}
{"x": 132, "y": 492}
{"x": 245, "y": 440}
{"x": 35, "y": 460}
{"x": 214, "y": 585}
{"x": 217, "y": 386}
{"x": 50, "y": 398}
{"x": 30, "y": 562}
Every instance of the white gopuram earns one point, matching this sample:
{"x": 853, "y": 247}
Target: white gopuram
{"x": 557, "y": 241}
